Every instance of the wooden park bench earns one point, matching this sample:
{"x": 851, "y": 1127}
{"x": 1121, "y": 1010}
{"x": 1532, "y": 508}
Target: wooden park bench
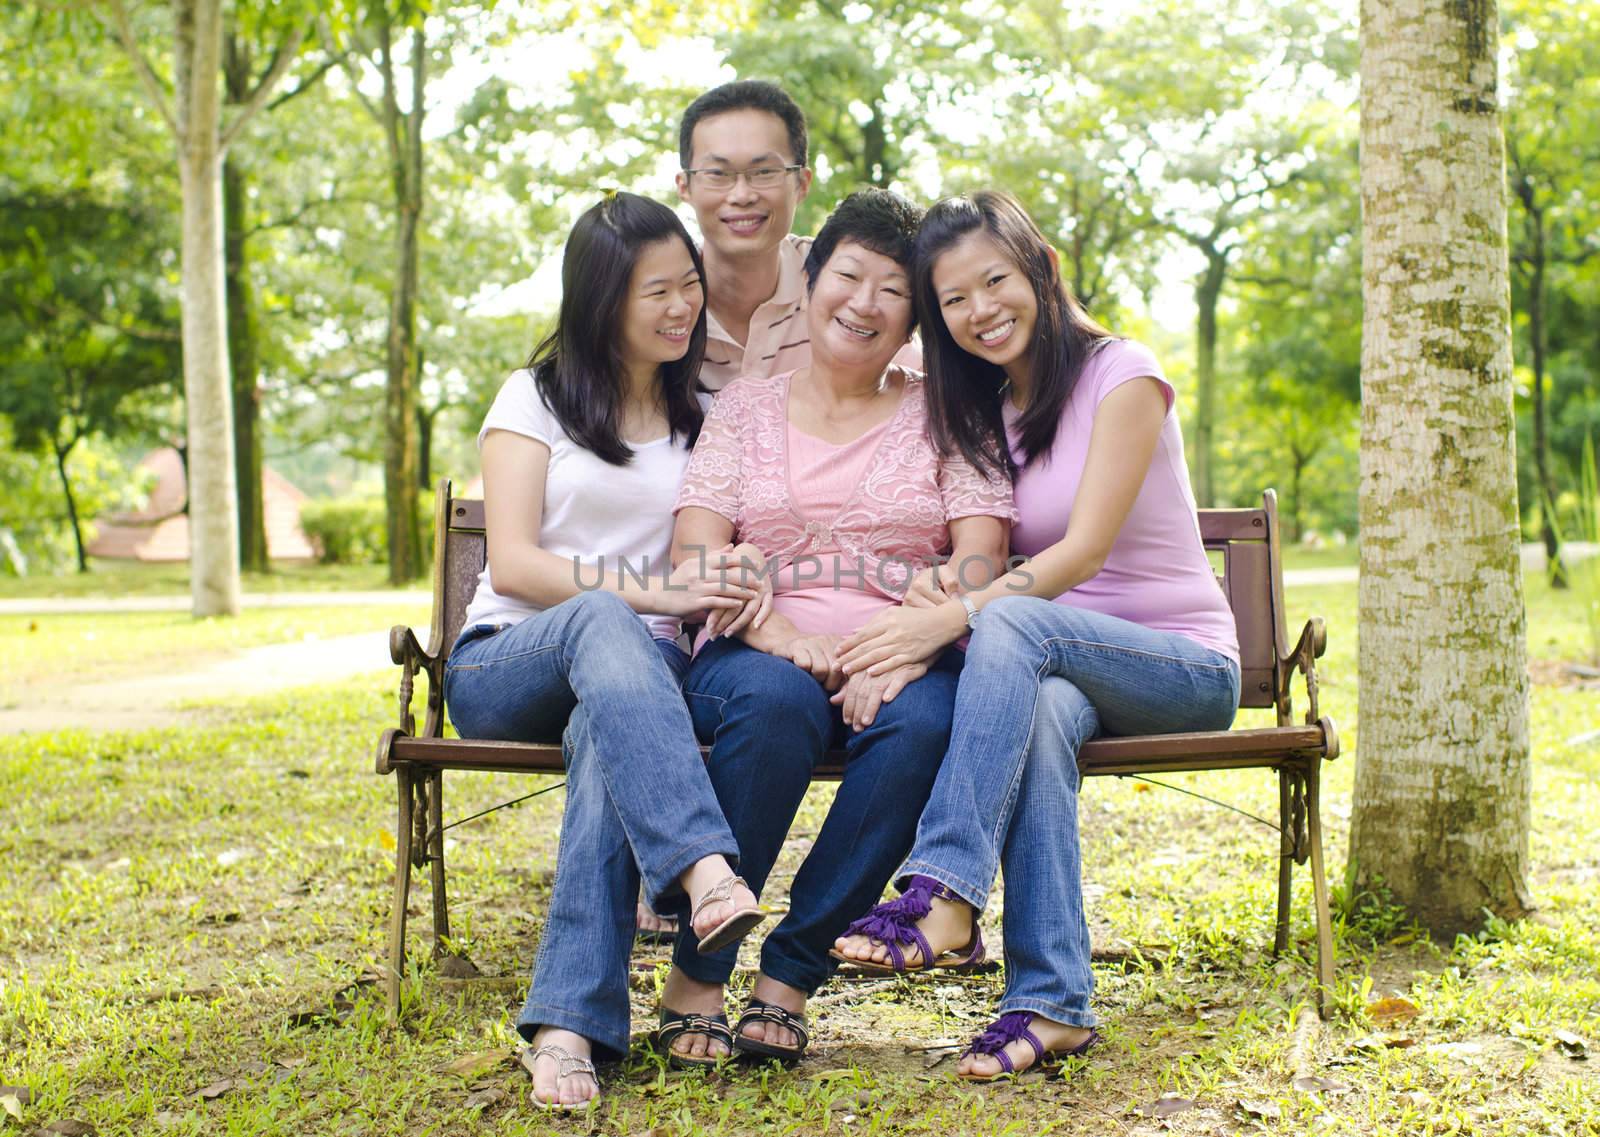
{"x": 1252, "y": 579}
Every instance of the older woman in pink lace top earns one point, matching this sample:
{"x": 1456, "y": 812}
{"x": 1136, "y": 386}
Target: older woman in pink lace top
{"x": 828, "y": 471}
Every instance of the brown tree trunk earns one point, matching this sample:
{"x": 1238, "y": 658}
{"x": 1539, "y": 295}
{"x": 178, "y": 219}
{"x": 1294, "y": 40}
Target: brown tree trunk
{"x": 61, "y": 453}
{"x": 400, "y": 439}
{"x": 245, "y": 368}
{"x": 1207, "y": 295}
{"x": 1538, "y": 349}
{"x": 1442, "y": 794}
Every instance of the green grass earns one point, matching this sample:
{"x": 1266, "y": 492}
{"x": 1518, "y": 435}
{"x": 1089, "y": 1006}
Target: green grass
{"x": 190, "y": 906}
{"x": 1329, "y": 556}
{"x": 130, "y": 578}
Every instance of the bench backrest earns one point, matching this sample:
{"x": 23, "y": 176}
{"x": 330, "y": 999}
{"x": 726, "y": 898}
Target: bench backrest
{"x": 1247, "y": 539}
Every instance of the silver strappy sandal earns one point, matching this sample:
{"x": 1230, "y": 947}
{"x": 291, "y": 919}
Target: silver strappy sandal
{"x": 736, "y": 926}
{"x": 567, "y": 1064}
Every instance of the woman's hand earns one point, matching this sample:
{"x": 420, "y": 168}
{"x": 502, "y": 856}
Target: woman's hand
{"x": 706, "y": 584}
{"x": 863, "y": 694}
{"x": 899, "y": 636}
{"x": 746, "y": 565}
{"x": 932, "y": 587}
{"x": 818, "y": 654}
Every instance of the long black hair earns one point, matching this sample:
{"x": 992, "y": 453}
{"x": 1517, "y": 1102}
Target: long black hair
{"x": 965, "y": 393}
{"x": 578, "y": 367}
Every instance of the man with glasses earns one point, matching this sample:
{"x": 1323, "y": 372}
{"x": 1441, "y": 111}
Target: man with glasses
{"x": 743, "y": 150}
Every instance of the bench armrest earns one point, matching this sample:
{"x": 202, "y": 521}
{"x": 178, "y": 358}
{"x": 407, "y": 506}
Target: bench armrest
{"x": 1303, "y": 658}
{"x": 408, "y": 653}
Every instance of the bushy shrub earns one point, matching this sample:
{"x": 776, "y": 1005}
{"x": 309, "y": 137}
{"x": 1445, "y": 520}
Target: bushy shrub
{"x": 353, "y": 530}
{"x": 347, "y": 530}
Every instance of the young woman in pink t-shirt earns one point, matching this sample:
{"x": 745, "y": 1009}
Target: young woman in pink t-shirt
{"x": 1115, "y": 623}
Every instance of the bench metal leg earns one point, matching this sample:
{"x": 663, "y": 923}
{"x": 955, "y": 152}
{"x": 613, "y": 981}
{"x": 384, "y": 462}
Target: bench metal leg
{"x": 402, "y": 893}
{"x": 441, "y": 911}
{"x": 1319, "y": 882}
{"x": 1286, "y": 851}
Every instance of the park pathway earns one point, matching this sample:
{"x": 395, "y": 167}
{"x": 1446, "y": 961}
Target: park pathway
{"x": 156, "y": 700}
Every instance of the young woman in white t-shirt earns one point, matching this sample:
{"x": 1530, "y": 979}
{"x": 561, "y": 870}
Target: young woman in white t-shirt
{"x": 573, "y": 631}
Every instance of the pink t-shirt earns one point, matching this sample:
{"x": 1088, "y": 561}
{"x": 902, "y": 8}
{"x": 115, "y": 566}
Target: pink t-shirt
{"x": 846, "y": 526}
{"x": 1157, "y": 573}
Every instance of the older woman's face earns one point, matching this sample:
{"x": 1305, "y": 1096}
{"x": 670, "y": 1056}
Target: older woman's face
{"x": 859, "y": 313}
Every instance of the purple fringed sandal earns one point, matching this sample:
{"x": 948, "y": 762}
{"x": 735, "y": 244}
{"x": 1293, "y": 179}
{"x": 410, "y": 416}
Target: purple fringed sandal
{"x": 894, "y": 924}
{"x": 1014, "y": 1027}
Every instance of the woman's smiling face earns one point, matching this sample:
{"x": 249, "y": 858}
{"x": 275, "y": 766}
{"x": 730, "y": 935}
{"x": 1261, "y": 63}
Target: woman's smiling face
{"x": 664, "y": 301}
{"x": 987, "y": 302}
{"x": 859, "y": 312}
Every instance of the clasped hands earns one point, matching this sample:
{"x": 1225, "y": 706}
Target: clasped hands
{"x": 870, "y": 667}
{"x": 730, "y": 584}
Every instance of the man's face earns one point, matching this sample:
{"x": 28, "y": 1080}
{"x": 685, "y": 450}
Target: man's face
{"x": 743, "y": 220}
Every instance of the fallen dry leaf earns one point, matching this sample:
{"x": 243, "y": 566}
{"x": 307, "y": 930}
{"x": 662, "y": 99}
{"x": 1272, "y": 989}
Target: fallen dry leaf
{"x": 1165, "y": 1106}
{"x": 12, "y": 1104}
{"x": 292, "y": 1063}
{"x": 216, "y": 1089}
{"x": 830, "y": 1075}
{"x": 458, "y": 967}
{"x": 1574, "y": 1046}
{"x": 1320, "y": 1086}
{"x": 476, "y": 1065}
{"x": 1265, "y": 1110}
{"x": 482, "y": 1099}
{"x": 1383, "y": 1042}
{"x": 1392, "y": 1012}
{"x": 69, "y": 1128}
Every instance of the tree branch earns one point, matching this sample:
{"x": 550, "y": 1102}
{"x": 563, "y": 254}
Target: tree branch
{"x": 342, "y": 59}
{"x": 152, "y": 84}
{"x": 306, "y": 84}
{"x": 282, "y": 59}
{"x": 315, "y": 203}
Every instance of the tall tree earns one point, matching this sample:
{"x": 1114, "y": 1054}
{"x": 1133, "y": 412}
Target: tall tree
{"x": 401, "y": 106}
{"x": 192, "y": 110}
{"x": 1442, "y": 782}
{"x": 244, "y": 59}
{"x": 84, "y": 325}
{"x": 1552, "y": 111}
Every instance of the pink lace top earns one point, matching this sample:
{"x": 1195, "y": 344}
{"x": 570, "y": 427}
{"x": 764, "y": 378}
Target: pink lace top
{"x": 890, "y": 520}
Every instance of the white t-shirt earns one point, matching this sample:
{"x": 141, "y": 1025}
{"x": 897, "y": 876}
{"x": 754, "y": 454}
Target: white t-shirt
{"x": 594, "y": 513}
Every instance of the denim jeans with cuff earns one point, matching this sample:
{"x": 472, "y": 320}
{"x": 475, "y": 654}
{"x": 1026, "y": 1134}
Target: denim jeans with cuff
{"x": 638, "y": 799}
{"x": 1041, "y": 680}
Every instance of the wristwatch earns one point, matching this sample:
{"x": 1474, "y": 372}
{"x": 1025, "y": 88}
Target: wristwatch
{"x": 972, "y": 611}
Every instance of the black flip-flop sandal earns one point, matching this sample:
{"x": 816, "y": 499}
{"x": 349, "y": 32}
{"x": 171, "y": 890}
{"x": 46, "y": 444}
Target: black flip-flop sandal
{"x": 761, "y": 1011}
{"x": 673, "y": 1024}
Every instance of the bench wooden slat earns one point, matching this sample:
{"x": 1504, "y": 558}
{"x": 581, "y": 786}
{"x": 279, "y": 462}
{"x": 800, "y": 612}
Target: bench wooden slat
{"x": 1217, "y": 525}
{"x": 1159, "y": 753}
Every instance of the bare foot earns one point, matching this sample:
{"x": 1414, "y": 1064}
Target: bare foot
{"x": 549, "y": 1088}
{"x": 649, "y": 923}
{"x": 1055, "y": 1037}
{"x": 690, "y": 996}
{"x": 791, "y": 999}
{"x": 948, "y": 926}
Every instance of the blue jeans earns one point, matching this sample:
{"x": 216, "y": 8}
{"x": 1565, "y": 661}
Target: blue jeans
{"x": 769, "y": 723}
{"x": 1041, "y": 680}
{"x": 638, "y": 800}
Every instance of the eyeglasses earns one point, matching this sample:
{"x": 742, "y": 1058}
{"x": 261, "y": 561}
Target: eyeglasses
{"x": 763, "y": 177}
